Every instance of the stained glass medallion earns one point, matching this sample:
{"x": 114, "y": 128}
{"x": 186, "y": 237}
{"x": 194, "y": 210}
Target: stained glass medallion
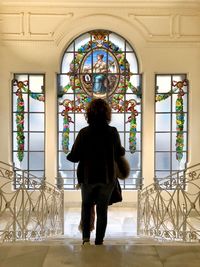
{"x": 99, "y": 73}
{"x": 99, "y": 66}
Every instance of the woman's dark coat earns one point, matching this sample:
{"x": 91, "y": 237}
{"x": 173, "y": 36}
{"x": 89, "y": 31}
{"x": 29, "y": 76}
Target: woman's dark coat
{"x": 96, "y": 148}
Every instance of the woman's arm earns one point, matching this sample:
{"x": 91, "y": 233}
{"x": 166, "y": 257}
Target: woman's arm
{"x": 119, "y": 149}
{"x": 75, "y": 154}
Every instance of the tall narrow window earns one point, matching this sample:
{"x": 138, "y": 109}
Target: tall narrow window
{"x": 29, "y": 123}
{"x": 171, "y": 130}
{"x": 99, "y": 64}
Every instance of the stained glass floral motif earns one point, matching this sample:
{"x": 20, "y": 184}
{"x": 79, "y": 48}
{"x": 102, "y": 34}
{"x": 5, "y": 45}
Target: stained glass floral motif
{"x": 177, "y": 88}
{"x": 171, "y": 123}
{"x": 22, "y": 87}
{"x": 180, "y": 119}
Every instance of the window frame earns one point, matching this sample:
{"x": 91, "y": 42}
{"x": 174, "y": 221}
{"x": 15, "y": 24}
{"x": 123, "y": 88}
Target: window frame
{"x": 171, "y": 132}
{"x": 28, "y": 171}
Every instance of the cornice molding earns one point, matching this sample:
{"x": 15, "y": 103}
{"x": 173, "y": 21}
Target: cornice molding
{"x": 104, "y": 3}
{"x": 52, "y": 26}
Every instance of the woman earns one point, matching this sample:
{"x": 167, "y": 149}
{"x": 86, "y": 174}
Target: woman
{"x": 96, "y": 148}
{"x": 98, "y": 77}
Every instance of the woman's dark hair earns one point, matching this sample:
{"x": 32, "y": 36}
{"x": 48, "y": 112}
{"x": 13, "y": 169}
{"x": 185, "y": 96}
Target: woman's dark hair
{"x": 100, "y": 55}
{"x": 98, "y": 111}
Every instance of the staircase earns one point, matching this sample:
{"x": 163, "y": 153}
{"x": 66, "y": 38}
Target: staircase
{"x": 30, "y": 208}
{"x": 33, "y": 209}
{"x": 169, "y": 209}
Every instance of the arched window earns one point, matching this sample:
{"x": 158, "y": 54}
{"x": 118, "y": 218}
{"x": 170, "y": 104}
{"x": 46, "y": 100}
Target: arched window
{"x": 99, "y": 64}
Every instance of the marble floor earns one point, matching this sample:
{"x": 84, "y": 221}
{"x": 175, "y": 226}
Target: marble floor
{"x": 122, "y": 248}
{"x": 122, "y": 221}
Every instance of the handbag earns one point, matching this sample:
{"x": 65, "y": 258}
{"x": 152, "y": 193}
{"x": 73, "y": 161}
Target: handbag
{"x": 116, "y": 195}
{"x": 122, "y": 168}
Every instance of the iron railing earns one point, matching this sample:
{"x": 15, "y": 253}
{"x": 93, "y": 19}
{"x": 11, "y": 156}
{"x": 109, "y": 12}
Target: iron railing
{"x": 170, "y": 208}
{"x": 30, "y": 209}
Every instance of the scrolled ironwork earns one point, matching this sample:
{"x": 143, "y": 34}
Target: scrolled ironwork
{"x": 5, "y": 173}
{"x": 170, "y": 208}
{"x": 29, "y": 209}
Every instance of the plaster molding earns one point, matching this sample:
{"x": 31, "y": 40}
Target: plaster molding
{"x": 167, "y": 30}
{"x": 48, "y": 26}
{"x": 27, "y": 23}
{"x": 16, "y": 27}
{"x": 151, "y": 31}
{"x": 89, "y": 22}
{"x": 189, "y": 25}
{"x": 173, "y": 27}
{"x": 104, "y": 3}
{"x": 59, "y": 20}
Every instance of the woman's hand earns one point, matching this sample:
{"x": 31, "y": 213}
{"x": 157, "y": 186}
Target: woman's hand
{"x": 78, "y": 186}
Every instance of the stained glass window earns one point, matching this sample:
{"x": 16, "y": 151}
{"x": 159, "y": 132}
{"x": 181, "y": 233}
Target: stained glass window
{"x": 99, "y": 64}
{"x": 171, "y": 130}
{"x": 29, "y": 123}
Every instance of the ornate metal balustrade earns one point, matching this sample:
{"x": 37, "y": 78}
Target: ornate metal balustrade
{"x": 30, "y": 209}
{"x": 170, "y": 208}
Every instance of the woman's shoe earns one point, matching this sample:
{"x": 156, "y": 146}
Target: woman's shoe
{"x": 86, "y": 242}
{"x": 98, "y": 243}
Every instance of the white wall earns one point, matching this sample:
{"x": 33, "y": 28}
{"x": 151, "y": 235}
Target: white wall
{"x": 165, "y": 36}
